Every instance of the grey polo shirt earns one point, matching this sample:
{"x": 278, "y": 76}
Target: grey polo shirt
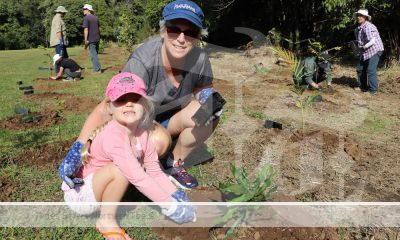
{"x": 146, "y": 62}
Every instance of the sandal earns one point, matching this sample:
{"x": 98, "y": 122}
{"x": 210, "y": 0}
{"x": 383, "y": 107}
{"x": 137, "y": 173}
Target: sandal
{"x": 108, "y": 234}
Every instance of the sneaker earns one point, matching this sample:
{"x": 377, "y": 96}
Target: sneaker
{"x": 373, "y": 93}
{"x": 357, "y": 89}
{"x": 182, "y": 179}
{"x": 68, "y": 79}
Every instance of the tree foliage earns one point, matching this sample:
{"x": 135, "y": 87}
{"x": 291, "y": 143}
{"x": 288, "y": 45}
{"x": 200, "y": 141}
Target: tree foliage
{"x": 26, "y": 23}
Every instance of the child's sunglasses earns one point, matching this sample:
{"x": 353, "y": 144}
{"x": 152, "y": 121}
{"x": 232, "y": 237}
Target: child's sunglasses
{"x": 190, "y": 32}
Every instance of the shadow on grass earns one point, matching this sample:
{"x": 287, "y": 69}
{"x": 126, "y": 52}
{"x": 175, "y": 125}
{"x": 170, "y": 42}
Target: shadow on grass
{"x": 345, "y": 81}
{"x": 34, "y": 138}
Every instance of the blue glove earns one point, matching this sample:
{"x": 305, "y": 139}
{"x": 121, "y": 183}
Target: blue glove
{"x": 180, "y": 196}
{"x": 204, "y": 94}
{"x": 61, "y": 41}
{"x": 71, "y": 165}
{"x": 182, "y": 212}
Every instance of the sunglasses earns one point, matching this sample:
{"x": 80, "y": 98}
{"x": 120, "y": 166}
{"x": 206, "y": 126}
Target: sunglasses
{"x": 177, "y": 31}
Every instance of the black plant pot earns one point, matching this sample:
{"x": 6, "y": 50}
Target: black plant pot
{"x": 272, "y": 124}
{"x": 26, "y": 88}
{"x": 28, "y": 92}
{"x": 317, "y": 98}
{"x": 21, "y": 110}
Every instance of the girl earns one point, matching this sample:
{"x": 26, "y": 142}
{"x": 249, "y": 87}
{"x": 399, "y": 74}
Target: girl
{"x": 121, "y": 153}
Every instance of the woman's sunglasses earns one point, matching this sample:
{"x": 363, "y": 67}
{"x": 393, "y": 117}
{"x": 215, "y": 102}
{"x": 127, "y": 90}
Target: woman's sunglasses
{"x": 176, "y": 31}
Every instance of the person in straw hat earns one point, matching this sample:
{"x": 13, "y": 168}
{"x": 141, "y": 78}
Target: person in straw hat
{"x": 371, "y": 46}
{"x": 58, "y": 34}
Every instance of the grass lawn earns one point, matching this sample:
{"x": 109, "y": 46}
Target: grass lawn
{"x": 41, "y": 183}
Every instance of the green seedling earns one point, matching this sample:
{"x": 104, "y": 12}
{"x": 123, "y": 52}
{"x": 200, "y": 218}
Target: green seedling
{"x": 49, "y": 60}
{"x": 304, "y": 103}
{"x": 246, "y": 190}
{"x": 59, "y": 107}
{"x": 297, "y": 70}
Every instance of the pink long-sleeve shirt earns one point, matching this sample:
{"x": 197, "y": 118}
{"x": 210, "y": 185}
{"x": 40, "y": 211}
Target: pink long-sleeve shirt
{"x": 139, "y": 163}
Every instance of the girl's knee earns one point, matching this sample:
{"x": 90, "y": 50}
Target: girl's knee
{"x": 116, "y": 173}
{"x": 161, "y": 139}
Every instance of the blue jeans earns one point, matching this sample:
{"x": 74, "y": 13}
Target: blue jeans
{"x": 72, "y": 74}
{"x": 367, "y": 77}
{"x": 61, "y": 50}
{"x": 94, "y": 51}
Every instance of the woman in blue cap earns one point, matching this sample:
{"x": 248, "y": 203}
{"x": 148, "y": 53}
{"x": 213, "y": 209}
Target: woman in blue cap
{"x": 178, "y": 78}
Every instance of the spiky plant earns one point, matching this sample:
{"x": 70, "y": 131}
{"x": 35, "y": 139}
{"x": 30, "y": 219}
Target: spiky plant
{"x": 246, "y": 190}
{"x": 297, "y": 68}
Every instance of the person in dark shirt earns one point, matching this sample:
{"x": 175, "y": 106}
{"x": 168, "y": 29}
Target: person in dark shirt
{"x": 91, "y": 31}
{"x": 67, "y": 66}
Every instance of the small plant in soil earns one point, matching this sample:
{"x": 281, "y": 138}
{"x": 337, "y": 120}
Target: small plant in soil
{"x": 59, "y": 108}
{"x": 297, "y": 71}
{"x": 49, "y": 60}
{"x": 259, "y": 68}
{"x": 246, "y": 190}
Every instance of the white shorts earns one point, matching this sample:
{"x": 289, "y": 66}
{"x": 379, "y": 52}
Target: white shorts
{"x": 82, "y": 194}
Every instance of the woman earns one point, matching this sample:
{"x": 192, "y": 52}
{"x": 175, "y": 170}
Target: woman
{"x": 370, "y": 43}
{"x": 174, "y": 70}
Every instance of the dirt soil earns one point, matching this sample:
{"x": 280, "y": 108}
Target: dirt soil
{"x": 45, "y": 118}
{"x": 45, "y": 96}
{"x": 7, "y": 187}
{"x": 309, "y": 166}
{"x": 47, "y": 155}
{"x": 391, "y": 86}
{"x": 46, "y": 87}
{"x": 203, "y": 194}
{"x": 80, "y": 104}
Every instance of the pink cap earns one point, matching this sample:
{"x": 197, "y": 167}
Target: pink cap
{"x": 124, "y": 83}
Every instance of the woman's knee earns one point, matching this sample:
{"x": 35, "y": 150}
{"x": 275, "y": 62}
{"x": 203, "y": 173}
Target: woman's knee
{"x": 183, "y": 119}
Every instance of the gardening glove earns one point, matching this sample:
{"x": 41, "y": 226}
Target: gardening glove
{"x": 181, "y": 196}
{"x": 181, "y": 213}
{"x": 61, "y": 42}
{"x": 71, "y": 165}
{"x": 203, "y": 96}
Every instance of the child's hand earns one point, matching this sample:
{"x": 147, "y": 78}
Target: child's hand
{"x": 71, "y": 165}
{"x": 183, "y": 212}
{"x": 180, "y": 196}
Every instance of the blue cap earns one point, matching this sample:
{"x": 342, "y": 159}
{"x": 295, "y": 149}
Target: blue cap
{"x": 184, "y": 9}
